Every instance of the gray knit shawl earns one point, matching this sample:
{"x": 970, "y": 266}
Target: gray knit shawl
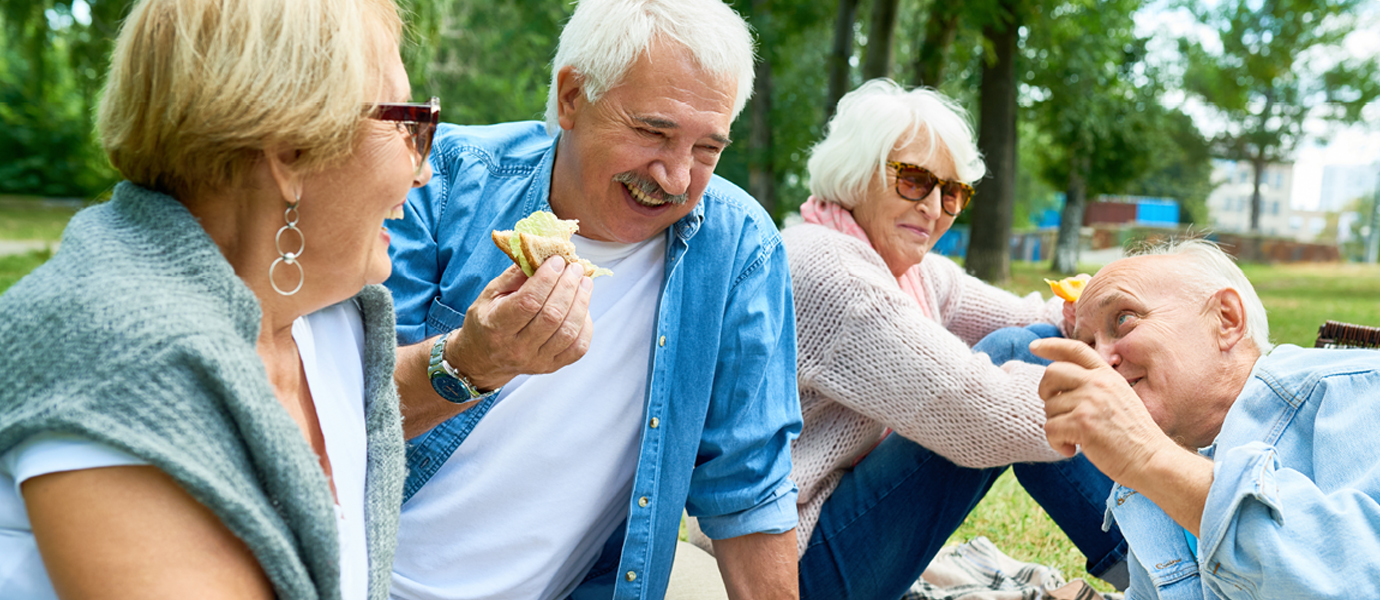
{"x": 139, "y": 335}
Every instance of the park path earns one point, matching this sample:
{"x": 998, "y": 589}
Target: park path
{"x": 8, "y": 247}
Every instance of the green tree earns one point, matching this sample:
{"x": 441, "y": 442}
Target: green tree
{"x": 1097, "y": 102}
{"x": 489, "y": 62}
{"x": 1263, "y": 81}
{"x": 53, "y": 58}
{"x": 1181, "y": 166}
{"x": 989, "y": 257}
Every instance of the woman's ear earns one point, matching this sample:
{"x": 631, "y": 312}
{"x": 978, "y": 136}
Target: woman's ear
{"x": 1230, "y": 314}
{"x": 281, "y": 166}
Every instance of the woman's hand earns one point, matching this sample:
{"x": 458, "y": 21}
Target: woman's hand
{"x": 132, "y": 532}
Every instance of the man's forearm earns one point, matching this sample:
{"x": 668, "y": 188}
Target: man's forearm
{"x": 759, "y": 565}
{"x": 422, "y": 407}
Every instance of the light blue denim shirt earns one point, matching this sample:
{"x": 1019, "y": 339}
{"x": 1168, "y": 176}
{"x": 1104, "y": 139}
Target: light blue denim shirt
{"x": 1294, "y": 508}
{"x": 721, "y": 407}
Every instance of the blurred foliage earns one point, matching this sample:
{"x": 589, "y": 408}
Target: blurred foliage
{"x": 1269, "y": 74}
{"x": 489, "y": 62}
{"x": 1180, "y": 167}
{"x": 1359, "y": 235}
{"x": 53, "y": 58}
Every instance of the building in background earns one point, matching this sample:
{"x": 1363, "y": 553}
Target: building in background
{"x": 1342, "y": 184}
{"x": 1229, "y": 204}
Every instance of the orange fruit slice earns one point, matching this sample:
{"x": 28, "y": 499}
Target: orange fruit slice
{"x": 1069, "y": 288}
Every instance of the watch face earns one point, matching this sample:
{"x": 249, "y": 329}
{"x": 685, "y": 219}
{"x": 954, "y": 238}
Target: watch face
{"x": 450, "y": 388}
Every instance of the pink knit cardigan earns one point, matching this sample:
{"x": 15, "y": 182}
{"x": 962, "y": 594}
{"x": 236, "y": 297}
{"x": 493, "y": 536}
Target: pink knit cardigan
{"x": 869, "y": 360}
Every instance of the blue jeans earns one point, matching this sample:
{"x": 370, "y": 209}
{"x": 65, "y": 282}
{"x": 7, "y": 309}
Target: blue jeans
{"x": 892, "y": 513}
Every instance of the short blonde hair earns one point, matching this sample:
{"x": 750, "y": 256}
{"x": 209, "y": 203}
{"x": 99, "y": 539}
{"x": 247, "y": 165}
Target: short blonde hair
{"x": 199, "y": 88}
{"x": 877, "y": 118}
{"x": 605, "y": 37}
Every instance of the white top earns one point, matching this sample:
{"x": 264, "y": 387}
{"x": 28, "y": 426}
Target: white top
{"x": 522, "y": 508}
{"x": 331, "y": 344}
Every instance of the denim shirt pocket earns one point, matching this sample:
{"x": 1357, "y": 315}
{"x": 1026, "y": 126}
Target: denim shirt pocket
{"x": 441, "y": 318}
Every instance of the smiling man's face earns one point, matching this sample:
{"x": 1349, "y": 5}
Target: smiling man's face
{"x": 639, "y": 159}
{"x": 1141, "y": 318}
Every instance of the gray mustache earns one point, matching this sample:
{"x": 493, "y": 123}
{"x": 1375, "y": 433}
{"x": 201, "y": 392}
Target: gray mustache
{"x": 649, "y": 187}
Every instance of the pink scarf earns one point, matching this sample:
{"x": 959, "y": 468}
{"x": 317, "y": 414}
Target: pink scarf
{"x": 839, "y": 219}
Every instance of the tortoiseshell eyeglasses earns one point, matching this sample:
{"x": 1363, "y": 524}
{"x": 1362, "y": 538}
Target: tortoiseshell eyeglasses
{"x": 419, "y": 118}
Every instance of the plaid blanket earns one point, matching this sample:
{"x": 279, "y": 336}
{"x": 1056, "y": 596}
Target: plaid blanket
{"x": 977, "y": 570}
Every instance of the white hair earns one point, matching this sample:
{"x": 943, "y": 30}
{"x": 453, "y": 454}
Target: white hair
{"x": 878, "y": 118}
{"x": 605, "y": 37}
{"x": 1216, "y": 270}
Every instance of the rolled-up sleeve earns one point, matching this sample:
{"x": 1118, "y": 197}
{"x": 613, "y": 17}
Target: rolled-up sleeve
{"x": 741, "y": 483}
{"x": 1270, "y": 530}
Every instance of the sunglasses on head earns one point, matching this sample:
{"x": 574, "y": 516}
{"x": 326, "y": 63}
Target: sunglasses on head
{"x": 914, "y": 183}
{"x": 420, "y": 119}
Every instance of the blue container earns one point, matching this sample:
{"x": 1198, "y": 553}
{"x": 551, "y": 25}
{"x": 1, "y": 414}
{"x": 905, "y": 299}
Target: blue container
{"x": 1157, "y": 213}
{"x": 953, "y": 243}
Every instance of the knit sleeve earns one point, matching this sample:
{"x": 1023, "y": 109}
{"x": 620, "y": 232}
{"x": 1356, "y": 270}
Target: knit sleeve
{"x": 881, "y": 357}
{"x": 972, "y": 308}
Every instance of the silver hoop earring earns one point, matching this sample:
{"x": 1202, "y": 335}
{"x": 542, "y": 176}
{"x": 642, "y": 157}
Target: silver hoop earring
{"x": 289, "y": 258}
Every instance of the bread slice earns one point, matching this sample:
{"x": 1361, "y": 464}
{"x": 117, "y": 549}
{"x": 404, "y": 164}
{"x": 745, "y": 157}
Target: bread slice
{"x": 536, "y": 249}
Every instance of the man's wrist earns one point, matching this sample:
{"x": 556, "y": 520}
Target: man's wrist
{"x": 449, "y": 382}
{"x": 465, "y": 366}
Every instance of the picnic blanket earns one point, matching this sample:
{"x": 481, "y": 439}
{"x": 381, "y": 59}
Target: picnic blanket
{"x": 977, "y": 570}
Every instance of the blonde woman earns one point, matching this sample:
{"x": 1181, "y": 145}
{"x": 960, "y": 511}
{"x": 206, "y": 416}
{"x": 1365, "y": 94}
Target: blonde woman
{"x": 198, "y": 397}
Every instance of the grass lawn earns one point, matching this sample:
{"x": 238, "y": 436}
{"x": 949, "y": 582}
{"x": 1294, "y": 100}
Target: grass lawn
{"x": 30, "y": 220}
{"x": 15, "y": 266}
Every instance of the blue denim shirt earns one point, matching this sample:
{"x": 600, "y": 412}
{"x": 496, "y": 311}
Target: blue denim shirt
{"x": 721, "y": 407}
{"x": 1294, "y": 508}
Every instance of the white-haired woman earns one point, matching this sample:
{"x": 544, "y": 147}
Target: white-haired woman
{"x": 912, "y": 401}
{"x": 198, "y": 396}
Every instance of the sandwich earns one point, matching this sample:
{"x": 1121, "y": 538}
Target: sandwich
{"x": 540, "y": 236}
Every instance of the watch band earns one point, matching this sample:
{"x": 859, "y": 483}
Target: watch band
{"x": 447, "y": 381}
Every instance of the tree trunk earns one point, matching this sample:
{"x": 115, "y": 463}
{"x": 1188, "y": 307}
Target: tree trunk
{"x": 1257, "y": 165}
{"x": 880, "y": 34}
{"x": 989, "y": 254}
{"x": 940, "y": 29}
{"x": 841, "y": 56}
{"x": 761, "y": 174}
{"x": 1071, "y": 220}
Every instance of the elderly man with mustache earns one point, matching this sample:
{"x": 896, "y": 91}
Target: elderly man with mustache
{"x": 1243, "y": 471}
{"x": 559, "y": 425}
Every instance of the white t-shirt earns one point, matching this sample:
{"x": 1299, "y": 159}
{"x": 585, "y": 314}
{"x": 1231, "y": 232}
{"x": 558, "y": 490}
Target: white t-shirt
{"x": 522, "y": 508}
{"x": 331, "y": 344}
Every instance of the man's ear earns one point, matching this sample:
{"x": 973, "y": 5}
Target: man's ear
{"x": 281, "y": 166}
{"x": 570, "y": 96}
{"x": 1230, "y": 314}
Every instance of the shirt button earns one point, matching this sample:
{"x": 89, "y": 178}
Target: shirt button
{"x": 631, "y": 576}
{"x": 654, "y": 422}
{"x": 662, "y": 341}
{"x": 643, "y": 502}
